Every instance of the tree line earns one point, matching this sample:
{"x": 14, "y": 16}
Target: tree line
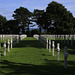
{"x": 56, "y": 19}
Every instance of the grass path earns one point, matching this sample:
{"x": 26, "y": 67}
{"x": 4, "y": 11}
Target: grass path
{"x": 29, "y": 57}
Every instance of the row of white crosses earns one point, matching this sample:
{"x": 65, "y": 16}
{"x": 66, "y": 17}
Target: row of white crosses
{"x": 3, "y": 37}
{"x": 65, "y": 51}
{"x": 66, "y": 38}
{"x": 15, "y": 40}
{"x": 72, "y": 38}
{"x": 58, "y": 51}
{"x": 53, "y": 46}
{"x": 43, "y": 41}
{"x": 8, "y": 46}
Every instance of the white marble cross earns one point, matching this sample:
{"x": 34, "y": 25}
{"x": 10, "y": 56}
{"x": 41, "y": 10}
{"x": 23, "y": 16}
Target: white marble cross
{"x": 11, "y": 43}
{"x": 53, "y": 46}
{"x": 49, "y": 45}
{"x": 4, "y": 48}
{"x": 58, "y": 50}
{"x": 8, "y": 45}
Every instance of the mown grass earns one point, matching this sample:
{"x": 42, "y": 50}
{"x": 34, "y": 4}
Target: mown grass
{"x": 5, "y": 39}
{"x": 29, "y": 57}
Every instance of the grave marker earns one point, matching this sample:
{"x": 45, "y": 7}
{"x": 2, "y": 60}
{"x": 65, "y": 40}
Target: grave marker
{"x": 11, "y": 43}
{"x": 64, "y": 38}
{"x": 71, "y": 41}
{"x": 53, "y": 46}
{"x": 17, "y": 39}
{"x": 61, "y": 38}
{"x": 1, "y": 37}
{"x": 65, "y": 57}
{"x": 49, "y": 45}
{"x": 58, "y": 50}
{"x": 4, "y": 48}
{"x": 8, "y": 45}
{"x": 68, "y": 40}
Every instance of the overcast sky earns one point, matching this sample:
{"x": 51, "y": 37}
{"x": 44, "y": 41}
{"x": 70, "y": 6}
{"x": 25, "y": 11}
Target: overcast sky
{"x": 7, "y": 7}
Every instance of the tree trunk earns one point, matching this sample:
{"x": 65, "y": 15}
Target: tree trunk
{"x": 40, "y": 29}
{"x": 23, "y": 30}
{"x": 28, "y": 28}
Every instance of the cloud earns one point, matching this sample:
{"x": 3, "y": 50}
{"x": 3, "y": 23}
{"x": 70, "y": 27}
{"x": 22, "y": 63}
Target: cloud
{"x": 6, "y": 13}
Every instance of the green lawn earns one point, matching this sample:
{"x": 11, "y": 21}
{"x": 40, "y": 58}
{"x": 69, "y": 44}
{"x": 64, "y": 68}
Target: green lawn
{"x": 29, "y": 57}
{"x": 5, "y": 39}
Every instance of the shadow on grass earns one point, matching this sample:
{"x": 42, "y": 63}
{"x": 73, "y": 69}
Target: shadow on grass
{"x": 29, "y": 43}
{"x": 50, "y": 68}
{"x": 71, "y": 49}
{"x": 1, "y": 53}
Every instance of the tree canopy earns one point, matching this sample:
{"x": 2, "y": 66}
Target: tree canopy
{"x": 37, "y": 17}
{"x": 3, "y": 20}
{"x": 63, "y": 20}
{"x": 22, "y": 15}
{"x": 12, "y": 27}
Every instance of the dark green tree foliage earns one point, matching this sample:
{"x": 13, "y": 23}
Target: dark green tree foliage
{"x": 34, "y": 31}
{"x": 63, "y": 20}
{"x": 46, "y": 22}
{"x": 22, "y": 15}
{"x": 3, "y": 20}
{"x": 38, "y": 17}
{"x": 12, "y": 27}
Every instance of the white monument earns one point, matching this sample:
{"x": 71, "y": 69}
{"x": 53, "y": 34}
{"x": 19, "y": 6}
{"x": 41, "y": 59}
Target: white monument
{"x": 58, "y": 50}
{"x": 4, "y": 48}
{"x": 53, "y": 46}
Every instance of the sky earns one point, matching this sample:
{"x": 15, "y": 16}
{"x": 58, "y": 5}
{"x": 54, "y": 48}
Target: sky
{"x": 7, "y": 7}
